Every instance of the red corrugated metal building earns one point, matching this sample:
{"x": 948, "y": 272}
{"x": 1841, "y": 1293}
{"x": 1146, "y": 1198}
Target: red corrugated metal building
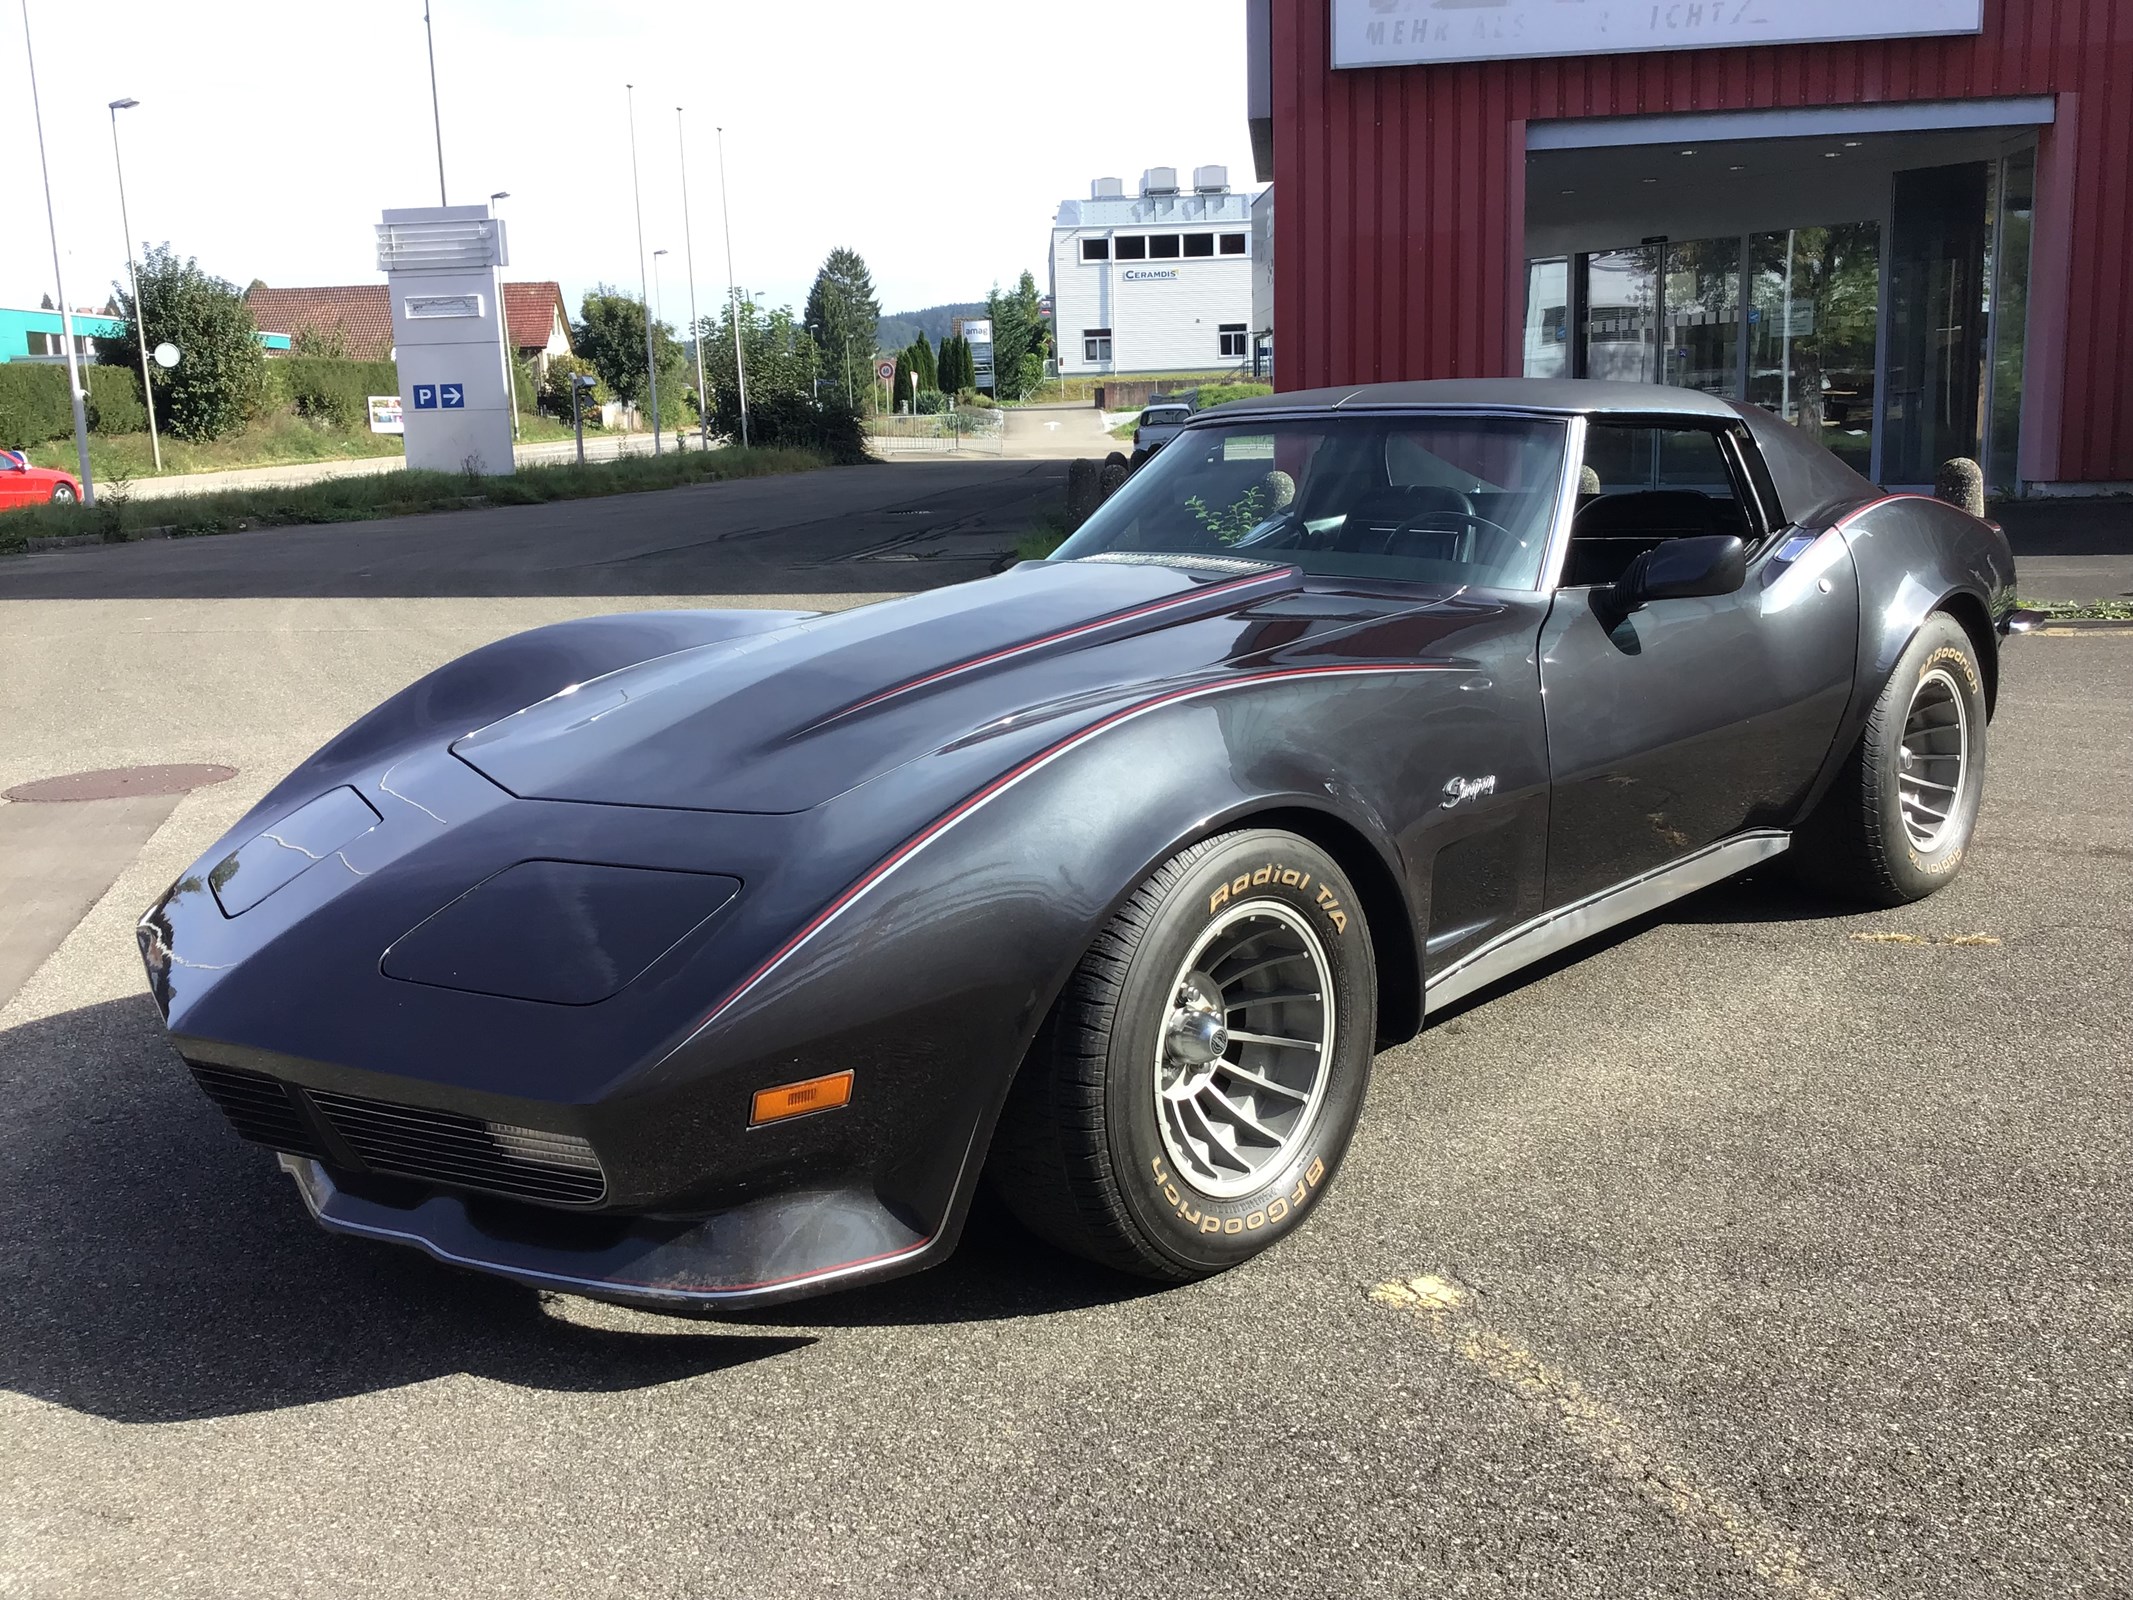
{"x": 1919, "y": 246}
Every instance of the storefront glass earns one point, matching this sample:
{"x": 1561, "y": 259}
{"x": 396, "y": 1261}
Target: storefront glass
{"x": 1939, "y": 309}
{"x": 1812, "y": 332}
{"x": 1701, "y": 349}
{"x": 2010, "y": 316}
{"x": 1547, "y": 318}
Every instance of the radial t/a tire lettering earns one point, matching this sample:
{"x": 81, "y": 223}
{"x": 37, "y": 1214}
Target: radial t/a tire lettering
{"x": 1897, "y": 823}
{"x": 1190, "y": 1097}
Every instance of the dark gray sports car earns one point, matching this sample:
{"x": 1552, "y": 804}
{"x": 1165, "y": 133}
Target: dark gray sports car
{"x": 717, "y": 956}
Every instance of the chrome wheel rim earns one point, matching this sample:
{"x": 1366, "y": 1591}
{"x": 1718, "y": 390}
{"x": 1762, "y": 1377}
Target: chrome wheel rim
{"x": 1933, "y": 760}
{"x": 1246, "y": 1046}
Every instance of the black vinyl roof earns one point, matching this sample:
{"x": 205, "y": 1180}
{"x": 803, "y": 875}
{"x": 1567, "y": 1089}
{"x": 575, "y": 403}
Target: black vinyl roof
{"x": 1813, "y": 486}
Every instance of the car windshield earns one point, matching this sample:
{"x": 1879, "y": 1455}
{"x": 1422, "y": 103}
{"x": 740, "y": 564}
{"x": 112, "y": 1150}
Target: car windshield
{"x": 1423, "y": 499}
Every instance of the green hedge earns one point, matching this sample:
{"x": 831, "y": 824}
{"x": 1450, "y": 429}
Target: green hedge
{"x": 115, "y": 401}
{"x": 1215, "y": 394}
{"x": 333, "y": 392}
{"x": 34, "y": 406}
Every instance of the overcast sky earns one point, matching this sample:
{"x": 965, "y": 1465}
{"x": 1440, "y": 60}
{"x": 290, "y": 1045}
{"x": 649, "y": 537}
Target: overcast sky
{"x": 934, "y": 136}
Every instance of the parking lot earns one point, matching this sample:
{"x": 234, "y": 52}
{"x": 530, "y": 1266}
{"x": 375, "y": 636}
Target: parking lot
{"x": 1769, "y": 1248}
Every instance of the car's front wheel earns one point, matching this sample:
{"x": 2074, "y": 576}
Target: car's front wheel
{"x": 1192, "y": 1093}
{"x": 1897, "y": 822}
{"x": 63, "y": 494}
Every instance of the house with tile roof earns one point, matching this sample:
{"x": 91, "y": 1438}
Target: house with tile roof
{"x": 360, "y": 315}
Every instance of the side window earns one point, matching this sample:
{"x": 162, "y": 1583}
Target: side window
{"x": 1644, "y": 485}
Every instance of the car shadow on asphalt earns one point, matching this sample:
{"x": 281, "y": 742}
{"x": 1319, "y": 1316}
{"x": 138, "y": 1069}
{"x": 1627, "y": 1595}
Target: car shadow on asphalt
{"x": 1767, "y": 895}
{"x": 160, "y": 1270}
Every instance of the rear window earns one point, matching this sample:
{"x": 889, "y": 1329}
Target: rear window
{"x": 1425, "y": 499}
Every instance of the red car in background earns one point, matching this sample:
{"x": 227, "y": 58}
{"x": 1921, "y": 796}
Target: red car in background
{"x": 24, "y": 485}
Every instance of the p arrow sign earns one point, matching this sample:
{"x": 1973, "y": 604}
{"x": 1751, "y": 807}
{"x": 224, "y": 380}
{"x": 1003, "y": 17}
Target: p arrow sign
{"x": 453, "y": 396}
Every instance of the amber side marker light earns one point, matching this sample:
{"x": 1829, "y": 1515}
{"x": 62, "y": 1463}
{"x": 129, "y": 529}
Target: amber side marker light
{"x": 798, "y": 1099}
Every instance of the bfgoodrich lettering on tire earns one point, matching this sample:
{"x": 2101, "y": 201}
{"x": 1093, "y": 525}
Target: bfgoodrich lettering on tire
{"x": 1188, "y": 1100}
{"x": 1896, "y": 824}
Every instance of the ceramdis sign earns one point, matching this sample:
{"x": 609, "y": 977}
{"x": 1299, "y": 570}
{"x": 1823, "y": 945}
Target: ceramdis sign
{"x": 1385, "y": 33}
{"x": 1151, "y": 274}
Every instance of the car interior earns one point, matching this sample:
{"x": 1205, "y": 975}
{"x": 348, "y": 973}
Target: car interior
{"x": 1644, "y": 486}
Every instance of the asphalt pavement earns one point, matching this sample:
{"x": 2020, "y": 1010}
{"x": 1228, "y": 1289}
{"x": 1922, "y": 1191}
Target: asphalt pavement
{"x": 1769, "y": 1248}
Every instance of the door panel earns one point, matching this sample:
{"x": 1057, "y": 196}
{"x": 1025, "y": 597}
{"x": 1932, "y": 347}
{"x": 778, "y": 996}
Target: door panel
{"x": 1690, "y": 720}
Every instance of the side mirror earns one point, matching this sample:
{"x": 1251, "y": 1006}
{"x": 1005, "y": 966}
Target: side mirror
{"x": 1683, "y": 569}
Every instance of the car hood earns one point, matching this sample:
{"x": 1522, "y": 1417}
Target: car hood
{"x": 784, "y": 720}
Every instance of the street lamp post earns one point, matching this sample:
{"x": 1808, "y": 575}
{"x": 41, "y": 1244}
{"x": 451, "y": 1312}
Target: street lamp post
{"x": 579, "y": 383}
{"x": 436, "y": 115}
{"x": 66, "y": 318}
{"x": 503, "y": 328}
{"x": 140, "y": 317}
{"x": 696, "y": 327}
{"x": 659, "y": 316}
{"x": 651, "y": 358}
{"x": 740, "y": 365}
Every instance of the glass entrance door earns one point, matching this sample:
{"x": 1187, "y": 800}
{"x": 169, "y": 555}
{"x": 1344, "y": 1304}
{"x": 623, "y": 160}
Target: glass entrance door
{"x": 1937, "y": 319}
{"x": 1812, "y": 332}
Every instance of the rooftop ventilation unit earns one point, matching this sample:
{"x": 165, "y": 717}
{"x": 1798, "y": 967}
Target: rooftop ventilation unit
{"x": 1108, "y": 189}
{"x": 1210, "y": 180}
{"x": 1159, "y": 180}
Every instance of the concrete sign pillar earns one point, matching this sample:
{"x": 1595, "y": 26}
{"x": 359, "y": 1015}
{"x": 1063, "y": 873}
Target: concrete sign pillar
{"x": 443, "y": 269}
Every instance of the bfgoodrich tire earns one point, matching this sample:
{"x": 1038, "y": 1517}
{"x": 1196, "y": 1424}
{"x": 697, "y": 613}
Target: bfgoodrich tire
{"x": 1897, "y": 823}
{"x": 1190, "y": 1097}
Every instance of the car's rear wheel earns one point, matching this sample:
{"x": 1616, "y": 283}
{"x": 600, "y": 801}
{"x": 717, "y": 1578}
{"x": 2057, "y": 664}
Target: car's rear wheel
{"x": 1193, "y": 1091}
{"x": 63, "y": 494}
{"x": 1897, "y": 822}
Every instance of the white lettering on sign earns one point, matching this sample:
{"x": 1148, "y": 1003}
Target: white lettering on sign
{"x": 1383, "y": 33}
{"x": 1151, "y": 274}
{"x": 443, "y": 305}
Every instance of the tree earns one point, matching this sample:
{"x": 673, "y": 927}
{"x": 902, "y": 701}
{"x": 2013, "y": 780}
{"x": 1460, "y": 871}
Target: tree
{"x": 611, "y": 336}
{"x": 787, "y": 405}
{"x": 923, "y": 363}
{"x": 900, "y": 396}
{"x": 1017, "y": 334}
{"x": 844, "y": 317}
{"x": 221, "y": 372}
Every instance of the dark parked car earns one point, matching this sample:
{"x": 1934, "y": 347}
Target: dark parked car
{"x": 715, "y": 955}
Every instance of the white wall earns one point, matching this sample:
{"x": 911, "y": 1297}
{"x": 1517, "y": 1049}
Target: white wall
{"x": 1158, "y": 324}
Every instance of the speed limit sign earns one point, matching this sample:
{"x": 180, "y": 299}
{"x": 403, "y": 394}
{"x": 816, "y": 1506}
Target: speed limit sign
{"x": 885, "y": 371}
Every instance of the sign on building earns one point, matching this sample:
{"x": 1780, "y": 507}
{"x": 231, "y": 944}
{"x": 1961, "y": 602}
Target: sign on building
{"x": 1385, "y": 33}
{"x": 385, "y": 414}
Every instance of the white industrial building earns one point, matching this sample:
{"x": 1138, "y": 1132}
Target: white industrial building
{"x": 1161, "y": 282}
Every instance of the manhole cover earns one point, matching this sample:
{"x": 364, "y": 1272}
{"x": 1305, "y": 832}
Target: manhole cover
{"x": 119, "y": 782}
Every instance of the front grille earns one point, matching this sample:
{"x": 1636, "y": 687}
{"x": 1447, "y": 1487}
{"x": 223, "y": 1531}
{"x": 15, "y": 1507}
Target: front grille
{"x": 465, "y": 1152}
{"x": 259, "y": 1108}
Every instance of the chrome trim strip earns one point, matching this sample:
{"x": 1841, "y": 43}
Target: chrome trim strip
{"x": 1566, "y": 511}
{"x": 1565, "y": 926}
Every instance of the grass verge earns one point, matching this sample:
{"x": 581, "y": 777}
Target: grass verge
{"x": 2082, "y": 610}
{"x": 278, "y": 441}
{"x": 391, "y": 494}
{"x": 1047, "y": 534}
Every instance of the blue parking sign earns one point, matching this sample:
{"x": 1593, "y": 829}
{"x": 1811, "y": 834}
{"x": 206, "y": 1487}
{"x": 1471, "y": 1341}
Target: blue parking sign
{"x": 452, "y": 396}
{"x": 425, "y": 397}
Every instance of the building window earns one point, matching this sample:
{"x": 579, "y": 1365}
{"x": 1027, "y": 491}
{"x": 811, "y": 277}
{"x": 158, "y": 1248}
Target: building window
{"x": 1096, "y": 249}
{"x": 1232, "y": 340}
{"x": 1096, "y": 344}
{"x": 1162, "y": 247}
{"x": 1199, "y": 244}
{"x": 1132, "y": 247}
{"x": 1233, "y": 244}
{"x": 44, "y": 344}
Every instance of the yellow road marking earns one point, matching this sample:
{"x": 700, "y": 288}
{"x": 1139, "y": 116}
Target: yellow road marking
{"x": 1445, "y": 1308}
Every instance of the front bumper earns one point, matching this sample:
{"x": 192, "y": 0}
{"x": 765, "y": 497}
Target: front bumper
{"x": 785, "y": 1247}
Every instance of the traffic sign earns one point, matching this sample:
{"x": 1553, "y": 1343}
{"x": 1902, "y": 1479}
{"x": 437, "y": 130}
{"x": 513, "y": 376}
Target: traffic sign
{"x": 885, "y": 371}
{"x": 425, "y": 397}
{"x": 452, "y": 396}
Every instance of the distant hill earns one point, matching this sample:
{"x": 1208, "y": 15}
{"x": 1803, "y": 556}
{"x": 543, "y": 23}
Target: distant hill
{"x": 901, "y": 328}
